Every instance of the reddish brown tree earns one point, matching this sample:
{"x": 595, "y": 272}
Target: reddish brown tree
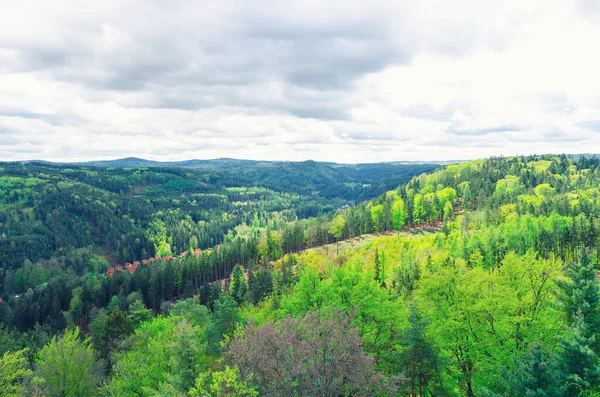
{"x": 313, "y": 355}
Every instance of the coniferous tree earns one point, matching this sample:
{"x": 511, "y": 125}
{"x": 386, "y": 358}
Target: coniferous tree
{"x": 417, "y": 360}
{"x": 577, "y": 359}
{"x": 577, "y": 355}
{"x": 238, "y": 286}
{"x": 377, "y": 265}
{"x": 535, "y": 374}
{"x": 224, "y": 319}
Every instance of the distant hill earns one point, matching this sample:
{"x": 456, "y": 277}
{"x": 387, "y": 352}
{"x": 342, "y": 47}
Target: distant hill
{"x": 355, "y": 182}
{"x": 136, "y": 162}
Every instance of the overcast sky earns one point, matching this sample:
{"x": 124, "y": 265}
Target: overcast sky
{"x": 345, "y": 81}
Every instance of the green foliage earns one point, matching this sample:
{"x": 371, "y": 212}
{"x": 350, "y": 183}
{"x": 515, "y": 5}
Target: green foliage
{"x": 142, "y": 369}
{"x": 577, "y": 359}
{"x": 191, "y": 310}
{"x": 398, "y": 214}
{"x": 138, "y": 313}
{"x": 377, "y": 266}
{"x": 238, "y": 286}
{"x": 67, "y": 367}
{"x": 581, "y": 297}
{"x": 377, "y": 217}
{"x": 224, "y": 320}
{"x": 109, "y": 330}
{"x": 226, "y": 383}
{"x": 14, "y": 372}
{"x": 260, "y": 285}
{"x": 578, "y": 352}
{"x": 417, "y": 359}
{"x": 188, "y": 356}
{"x": 470, "y": 295}
{"x": 535, "y": 374}
{"x": 337, "y": 226}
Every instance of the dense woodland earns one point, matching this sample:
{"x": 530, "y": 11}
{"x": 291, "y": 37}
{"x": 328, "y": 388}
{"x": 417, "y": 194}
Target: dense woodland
{"x": 478, "y": 279}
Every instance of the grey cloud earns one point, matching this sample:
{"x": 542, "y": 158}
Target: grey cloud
{"x": 271, "y": 74}
{"x": 196, "y": 55}
{"x": 473, "y": 131}
{"x": 373, "y": 135}
{"x": 8, "y": 140}
{"x": 593, "y": 125}
{"x": 425, "y": 111}
{"x": 589, "y": 8}
{"x": 53, "y": 119}
{"x": 563, "y": 137}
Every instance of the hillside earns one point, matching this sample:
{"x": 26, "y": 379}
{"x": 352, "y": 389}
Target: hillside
{"x": 352, "y": 182}
{"x": 478, "y": 279}
{"x": 85, "y": 214}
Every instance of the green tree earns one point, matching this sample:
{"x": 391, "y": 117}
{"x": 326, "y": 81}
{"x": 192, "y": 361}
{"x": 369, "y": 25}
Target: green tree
{"x": 581, "y": 292}
{"x": 377, "y": 217}
{"x": 419, "y": 213}
{"x": 187, "y": 353}
{"x": 226, "y": 383}
{"x": 448, "y": 210}
{"x": 14, "y": 371}
{"x": 224, "y": 319}
{"x": 398, "y": 213}
{"x": 417, "y": 359}
{"x": 336, "y": 229}
{"x": 141, "y": 370}
{"x": 578, "y": 361}
{"x": 67, "y": 367}
{"x": 138, "y": 313}
{"x": 238, "y": 286}
{"x": 261, "y": 285}
{"x": 108, "y": 331}
{"x": 578, "y": 354}
{"x": 533, "y": 375}
{"x": 191, "y": 310}
{"x": 377, "y": 267}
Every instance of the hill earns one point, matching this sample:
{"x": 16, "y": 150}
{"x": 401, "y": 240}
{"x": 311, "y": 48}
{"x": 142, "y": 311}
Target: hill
{"x": 478, "y": 279}
{"x": 52, "y": 211}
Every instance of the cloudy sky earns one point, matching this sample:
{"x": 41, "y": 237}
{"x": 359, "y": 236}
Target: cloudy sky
{"x": 345, "y": 81}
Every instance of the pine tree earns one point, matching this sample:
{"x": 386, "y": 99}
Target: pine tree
{"x": 535, "y": 374}
{"x": 377, "y": 266}
{"x": 238, "y": 287}
{"x": 187, "y": 351}
{"x": 577, "y": 359}
{"x": 382, "y": 269}
{"x": 224, "y": 319}
{"x": 581, "y": 293}
{"x": 578, "y": 352}
{"x": 418, "y": 360}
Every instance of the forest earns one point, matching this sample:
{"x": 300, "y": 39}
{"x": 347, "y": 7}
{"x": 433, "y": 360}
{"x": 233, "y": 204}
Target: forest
{"x": 470, "y": 279}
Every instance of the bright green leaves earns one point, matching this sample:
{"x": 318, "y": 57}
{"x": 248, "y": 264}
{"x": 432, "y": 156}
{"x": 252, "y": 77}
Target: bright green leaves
{"x": 398, "y": 213}
{"x": 480, "y": 317}
{"x": 67, "y": 366}
{"x": 14, "y": 370}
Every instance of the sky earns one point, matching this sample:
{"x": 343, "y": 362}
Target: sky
{"x": 346, "y": 81}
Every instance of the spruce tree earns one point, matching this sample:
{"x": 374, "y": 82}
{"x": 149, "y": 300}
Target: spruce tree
{"x": 417, "y": 360}
{"x": 577, "y": 355}
{"x": 377, "y": 266}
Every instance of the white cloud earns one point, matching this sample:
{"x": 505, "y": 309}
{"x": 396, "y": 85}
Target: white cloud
{"x": 336, "y": 81}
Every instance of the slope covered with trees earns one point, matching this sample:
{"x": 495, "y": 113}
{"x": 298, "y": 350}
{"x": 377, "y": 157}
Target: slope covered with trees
{"x": 479, "y": 279}
{"x": 78, "y": 218}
